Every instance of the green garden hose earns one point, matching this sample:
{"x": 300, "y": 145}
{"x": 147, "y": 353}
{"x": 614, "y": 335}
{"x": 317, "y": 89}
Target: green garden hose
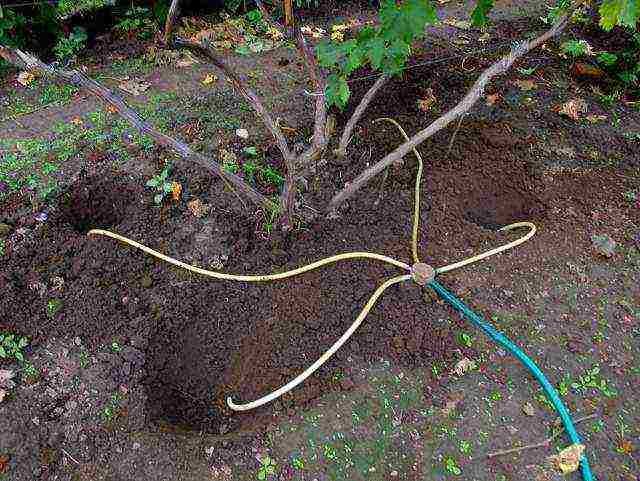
{"x": 531, "y": 366}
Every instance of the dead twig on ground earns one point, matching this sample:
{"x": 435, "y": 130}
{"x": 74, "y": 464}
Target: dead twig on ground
{"x": 542, "y": 444}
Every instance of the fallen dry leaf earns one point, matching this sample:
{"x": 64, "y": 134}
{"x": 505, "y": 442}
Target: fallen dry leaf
{"x": 461, "y": 24}
{"x": 315, "y": 32}
{"x": 176, "y": 190}
{"x": 464, "y": 365}
{"x": 493, "y": 99}
{"x": 604, "y": 244}
{"x": 111, "y": 109}
{"x": 197, "y": 208}
{"x": 25, "y": 78}
{"x": 134, "y": 86}
{"x": 528, "y": 409}
{"x": 581, "y": 69}
{"x": 76, "y": 121}
{"x": 428, "y": 101}
{"x": 337, "y": 36}
{"x": 275, "y": 34}
{"x": 626, "y": 446}
{"x": 596, "y": 118}
{"x": 5, "y": 378}
{"x": 209, "y": 79}
{"x": 452, "y": 403}
{"x": 186, "y": 62}
{"x": 525, "y": 84}
{"x": 3, "y": 393}
{"x": 568, "y": 460}
{"x": 573, "y": 108}
{"x": 4, "y": 462}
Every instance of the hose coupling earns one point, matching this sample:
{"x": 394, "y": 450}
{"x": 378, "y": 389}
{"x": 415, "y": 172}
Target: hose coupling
{"x": 422, "y": 273}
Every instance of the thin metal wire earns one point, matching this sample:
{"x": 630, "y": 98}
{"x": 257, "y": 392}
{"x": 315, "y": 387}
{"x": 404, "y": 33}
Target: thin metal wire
{"x": 422, "y": 64}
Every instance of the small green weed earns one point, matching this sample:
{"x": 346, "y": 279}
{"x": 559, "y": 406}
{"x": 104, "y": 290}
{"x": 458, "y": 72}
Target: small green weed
{"x": 2, "y": 248}
{"x": 161, "y": 185}
{"x": 297, "y": 463}
{"x": 83, "y": 359}
{"x": 592, "y": 380}
{"x": 53, "y": 307}
{"x": 465, "y": 447}
{"x": 272, "y": 176}
{"x": 136, "y": 22}
{"x": 451, "y": 466}
{"x": 30, "y": 372}
{"x": 109, "y": 411}
{"x": 68, "y": 47}
{"x": 267, "y": 468}
{"x": 116, "y": 347}
{"x": 52, "y": 93}
{"x": 12, "y": 346}
{"x": 597, "y": 426}
{"x": 465, "y": 339}
{"x": 576, "y": 48}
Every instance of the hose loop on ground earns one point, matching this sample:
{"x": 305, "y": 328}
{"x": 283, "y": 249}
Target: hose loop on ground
{"x": 420, "y": 273}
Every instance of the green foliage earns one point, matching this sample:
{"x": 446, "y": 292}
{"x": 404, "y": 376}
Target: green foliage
{"x": 137, "y": 22}
{"x": 624, "y": 13}
{"x": 623, "y": 65}
{"x": 267, "y": 468}
{"x": 576, "y": 48}
{"x": 161, "y": 184}
{"x": 12, "y": 346}
{"x": 71, "y": 7}
{"x": 12, "y": 29}
{"x": 385, "y": 47}
{"x": 479, "y": 14}
{"x": 68, "y": 47}
{"x": 607, "y": 59}
{"x": 451, "y": 466}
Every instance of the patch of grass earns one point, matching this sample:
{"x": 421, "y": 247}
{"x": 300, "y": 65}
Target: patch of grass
{"x": 109, "y": 412}
{"x": 53, "y": 307}
{"x": 12, "y": 346}
{"x": 451, "y": 466}
{"x": 54, "y": 93}
{"x": 83, "y": 359}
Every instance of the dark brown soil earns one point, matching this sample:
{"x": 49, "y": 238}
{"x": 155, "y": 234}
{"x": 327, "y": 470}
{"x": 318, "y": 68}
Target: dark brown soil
{"x": 204, "y": 340}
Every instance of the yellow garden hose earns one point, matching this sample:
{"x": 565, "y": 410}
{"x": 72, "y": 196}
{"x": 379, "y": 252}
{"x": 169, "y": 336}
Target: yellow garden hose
{"x": 416, "y": 202}
{"x": 325, "y": 357}
{"x": 324, "y": 262}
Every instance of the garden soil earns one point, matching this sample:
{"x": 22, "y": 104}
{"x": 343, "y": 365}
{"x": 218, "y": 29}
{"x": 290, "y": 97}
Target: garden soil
{"x": 177, "y": 344}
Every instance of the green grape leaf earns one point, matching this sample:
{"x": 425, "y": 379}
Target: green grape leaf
{"x": 479, "y": 15}
{"x": 619, "y": 12}
{"x": 327, "y": 54}
{"x": 375, "y": 51}
{"x": 337, "y": 92}
{"x": 355, "y": 60}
